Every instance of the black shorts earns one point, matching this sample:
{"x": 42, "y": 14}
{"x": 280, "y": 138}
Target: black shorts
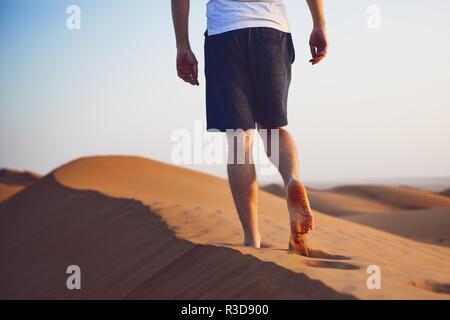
{"x": 248, "y": 73}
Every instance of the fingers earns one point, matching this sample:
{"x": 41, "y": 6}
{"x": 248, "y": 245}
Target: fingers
{"x": 318, "y": 54}
{"x": 317, "y": 59}
{"x": 319, "y": 47}
{"x": 189, "y": 77}
{"x": 189, "y": 74}
{"x": 182, "y": 75}
{"x": 312, "y": 47}
{"x": 194, "y": 76}
{"x": 195, "y": 69}
{"x": 193, "y": 80}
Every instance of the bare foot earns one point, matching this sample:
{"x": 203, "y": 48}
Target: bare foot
{"x": 262, "y": 245}
{"x": 298, "y": 245}
{"x": 253, "y": 243}
{"x": 300, "y": 214}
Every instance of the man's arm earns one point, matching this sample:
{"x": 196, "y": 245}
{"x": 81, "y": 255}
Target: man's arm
{"x": 187, "y": 65}
{"x": 319, "y": 40}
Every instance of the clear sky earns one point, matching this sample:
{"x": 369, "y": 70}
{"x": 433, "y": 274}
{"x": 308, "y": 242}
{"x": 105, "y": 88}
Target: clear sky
{"x": 379, "y": 106}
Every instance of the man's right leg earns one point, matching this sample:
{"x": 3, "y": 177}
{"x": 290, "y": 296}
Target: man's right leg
{"x": 300, "y": 213}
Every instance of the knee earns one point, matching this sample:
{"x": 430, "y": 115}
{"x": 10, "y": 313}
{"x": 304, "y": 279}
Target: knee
{"x": 241, "y": 139}
{"x": 279, "y": 129}
{"x": 240, "y": 145}
{"x": 271, "y": 134}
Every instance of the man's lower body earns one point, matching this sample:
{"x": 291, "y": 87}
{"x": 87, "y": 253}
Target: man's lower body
{"x": 248, "y": 74}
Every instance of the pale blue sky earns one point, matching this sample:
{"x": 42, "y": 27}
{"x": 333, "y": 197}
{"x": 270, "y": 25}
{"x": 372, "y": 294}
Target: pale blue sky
{"x": 378, "y": 107}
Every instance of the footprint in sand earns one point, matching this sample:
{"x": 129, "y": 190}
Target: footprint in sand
{"x": 431, "y": 285}
{"x": 300, "y": 246}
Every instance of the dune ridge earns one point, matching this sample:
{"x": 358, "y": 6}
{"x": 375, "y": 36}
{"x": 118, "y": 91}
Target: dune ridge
{"x": 446, "y": 192}
{"x": 399, "y": 197}
{"x": 144, "y": 229}
{"x": 12, "y": 181}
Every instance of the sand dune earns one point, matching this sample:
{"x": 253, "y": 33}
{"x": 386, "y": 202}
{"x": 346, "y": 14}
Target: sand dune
{"x": 432, "y": 184}
{"x": 143, "y": 229}
{"x": 357, "y": 199}
{"x": 7, "y": 191}
{"x": 410, "y": 212}
{"x": 427, "y": 225}
{"x": 446, "y": 192}
{"x": 12, "y": 181}
{"x": 399, "y": 197}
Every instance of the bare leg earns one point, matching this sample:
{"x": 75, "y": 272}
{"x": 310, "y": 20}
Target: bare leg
{"x": 300, "y": 213}
{"x": 243, "y": 184}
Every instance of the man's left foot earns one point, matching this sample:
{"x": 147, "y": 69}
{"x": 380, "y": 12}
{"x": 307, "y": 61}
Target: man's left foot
{"x": 263, "y": 245}
{"x": 255, "y": 243}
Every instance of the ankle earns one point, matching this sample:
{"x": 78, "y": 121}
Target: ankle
{"x": 252, "y": 241}
{"x": 296, "y": 192}
{"x": 291, "y": 180}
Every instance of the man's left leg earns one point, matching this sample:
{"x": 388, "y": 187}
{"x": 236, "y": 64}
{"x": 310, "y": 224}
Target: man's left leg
{"x": 244, "y": 184}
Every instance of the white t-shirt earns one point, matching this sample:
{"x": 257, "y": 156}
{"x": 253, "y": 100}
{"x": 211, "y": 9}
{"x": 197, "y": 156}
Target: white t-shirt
{"x": 228, "y": 15}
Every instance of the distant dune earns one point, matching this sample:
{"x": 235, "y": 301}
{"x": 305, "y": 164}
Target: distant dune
{"x": 143, "y": 229}
{"x": 400, "y": 197}
{"x": 12, "y": 181}
{"x": 433, "y": 184}
{"x": 410, "y": 212}
{"x": 446, "y": 192}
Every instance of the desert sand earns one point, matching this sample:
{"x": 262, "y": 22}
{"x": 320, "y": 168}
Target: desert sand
{"x": 12, "y": 182}
{"x": 143, "y": 229}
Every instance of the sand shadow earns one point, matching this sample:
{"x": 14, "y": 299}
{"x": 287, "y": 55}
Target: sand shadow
{"x": 432, "y": 286}
{"x": 312, "y": 253}
{"x": 140, "y": 256}
{"x": 328, "y": 264}
{"x": 327, "y": 261}
{"x": 319, "y": 254}
{"x": 264, "y": 245}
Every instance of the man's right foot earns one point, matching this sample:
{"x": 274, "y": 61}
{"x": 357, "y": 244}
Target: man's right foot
{"x": 298, "y": 245}
{"x": 300, "y": 216}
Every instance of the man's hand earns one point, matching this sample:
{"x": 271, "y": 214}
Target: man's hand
{"x": 187, "y": 66}
{"x": 318, "y": 43}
